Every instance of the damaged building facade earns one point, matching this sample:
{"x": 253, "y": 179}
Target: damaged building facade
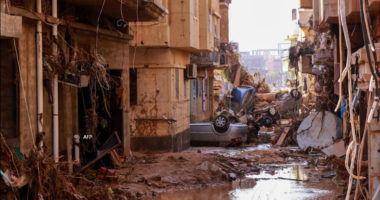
{"x": 76, "y": 73}
{"x": 172, "y": 73}
{"x": 66, "y": 69}
{"x": 339, "y": 49}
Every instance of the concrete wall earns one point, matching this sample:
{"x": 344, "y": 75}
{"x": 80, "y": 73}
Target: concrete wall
{"x": 184, "y": 23}
{"x": 179, "y": 29}
{"x": 27, "y": 51}
{"x": 160, "y": 120}
{"x": 224, "y": 23}
{"x": 204, "y": 26}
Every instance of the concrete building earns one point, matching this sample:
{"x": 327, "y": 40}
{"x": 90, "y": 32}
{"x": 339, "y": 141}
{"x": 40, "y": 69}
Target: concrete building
{"x": 161, "y": 72}
{"x": 82, "y": 63}
{"x": 201, "y": 88}
{"x": 172, "y": 73}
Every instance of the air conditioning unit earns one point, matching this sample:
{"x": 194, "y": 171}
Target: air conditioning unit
{"x": 191, "y": 71}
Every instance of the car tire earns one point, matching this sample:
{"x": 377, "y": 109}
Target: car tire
{"x": 221, "y": 123}
{"x": 266, "y": 121}
{"x": 295, "y": 94}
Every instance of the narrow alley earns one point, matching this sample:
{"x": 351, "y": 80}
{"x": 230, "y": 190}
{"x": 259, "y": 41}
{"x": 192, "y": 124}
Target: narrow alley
{"x": 189, "y": 99}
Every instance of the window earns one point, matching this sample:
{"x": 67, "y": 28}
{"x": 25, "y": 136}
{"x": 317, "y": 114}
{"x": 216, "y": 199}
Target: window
{"x": 195, "y": 8}
{"x": 133, "y": 86}
{"x": 204, "y": 91}
{"x": 209, "y": 22}
{"x": 177, "y": 83}
{"x": 209, "y": 93}
{"x": 184, "y": 89}
{"x": 199, "y": 86}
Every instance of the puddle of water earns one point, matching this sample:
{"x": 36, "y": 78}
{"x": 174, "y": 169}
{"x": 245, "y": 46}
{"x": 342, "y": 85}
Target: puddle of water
{"x": 229, "y": 151}
{"x": 287, "y": 183}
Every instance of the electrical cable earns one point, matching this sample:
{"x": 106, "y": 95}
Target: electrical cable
{"x": 340, "y": 62}
{"x": 374, "y": 74}
{"x": 352, "y": 148}
{"x": 364, "y": 30}
{"x": 371, "y": 37}
{"x": 97, "y": 27}
{"x": 361, "y": 149}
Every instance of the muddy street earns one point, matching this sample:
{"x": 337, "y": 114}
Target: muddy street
{"x": 294, "y": 179}
{"x": 249, "y": 172}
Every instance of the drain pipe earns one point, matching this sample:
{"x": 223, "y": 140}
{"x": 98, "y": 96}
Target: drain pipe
{"x": 40, "y": 105}
{"x": 55, "y": 88}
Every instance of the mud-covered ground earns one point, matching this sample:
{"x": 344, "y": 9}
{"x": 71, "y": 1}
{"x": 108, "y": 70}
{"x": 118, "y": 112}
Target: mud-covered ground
{"x": 250, "y": 172}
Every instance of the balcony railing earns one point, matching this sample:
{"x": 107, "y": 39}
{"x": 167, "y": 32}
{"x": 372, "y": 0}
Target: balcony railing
{"x": 225, "y": 53}
{"x": 205, "y": 58}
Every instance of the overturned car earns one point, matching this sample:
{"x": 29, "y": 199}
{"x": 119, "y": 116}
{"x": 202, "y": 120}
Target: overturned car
{"x": 237, "y": 119}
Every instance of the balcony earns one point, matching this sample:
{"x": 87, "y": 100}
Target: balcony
{"x": 304, "y": 18}
{"x": 226, "y": 51}
{"x": 148, "y": 10}
{"x": 307, "y": 4}
{"x": 205, "y": 59}
{"x": 225, "y": 1}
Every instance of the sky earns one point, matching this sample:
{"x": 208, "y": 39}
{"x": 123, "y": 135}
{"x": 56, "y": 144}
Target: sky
{"x": 261, "y": 24}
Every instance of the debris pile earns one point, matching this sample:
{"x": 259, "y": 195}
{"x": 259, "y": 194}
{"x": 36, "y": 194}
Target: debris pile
{"x": 34, "y": 176}
{"x": 251, "y": 102}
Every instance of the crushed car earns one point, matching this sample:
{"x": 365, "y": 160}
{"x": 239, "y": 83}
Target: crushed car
{"x": 237, "y": 119}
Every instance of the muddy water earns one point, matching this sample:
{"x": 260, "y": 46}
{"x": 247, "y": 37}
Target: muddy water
{"x": 288, "y": 183}
{"x": 275, "y": 182}
{"x": 229, "y": 151}
{"x": 291, "y": 182}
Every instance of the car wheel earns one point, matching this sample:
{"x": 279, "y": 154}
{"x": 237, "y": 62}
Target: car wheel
{"x": 295, "y": 94}
{"x": 221, "y": 123}
{"x": 266, "y": 121}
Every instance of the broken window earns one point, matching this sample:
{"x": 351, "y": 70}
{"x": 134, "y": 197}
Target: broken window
{"x": 133, "y": 86}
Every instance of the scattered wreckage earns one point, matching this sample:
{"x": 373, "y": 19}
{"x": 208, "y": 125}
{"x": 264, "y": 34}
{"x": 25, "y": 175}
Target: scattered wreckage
{"x": 241, "y": 114}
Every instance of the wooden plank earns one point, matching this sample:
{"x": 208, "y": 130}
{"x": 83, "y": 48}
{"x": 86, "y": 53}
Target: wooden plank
{"x": 282, "y": 137}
